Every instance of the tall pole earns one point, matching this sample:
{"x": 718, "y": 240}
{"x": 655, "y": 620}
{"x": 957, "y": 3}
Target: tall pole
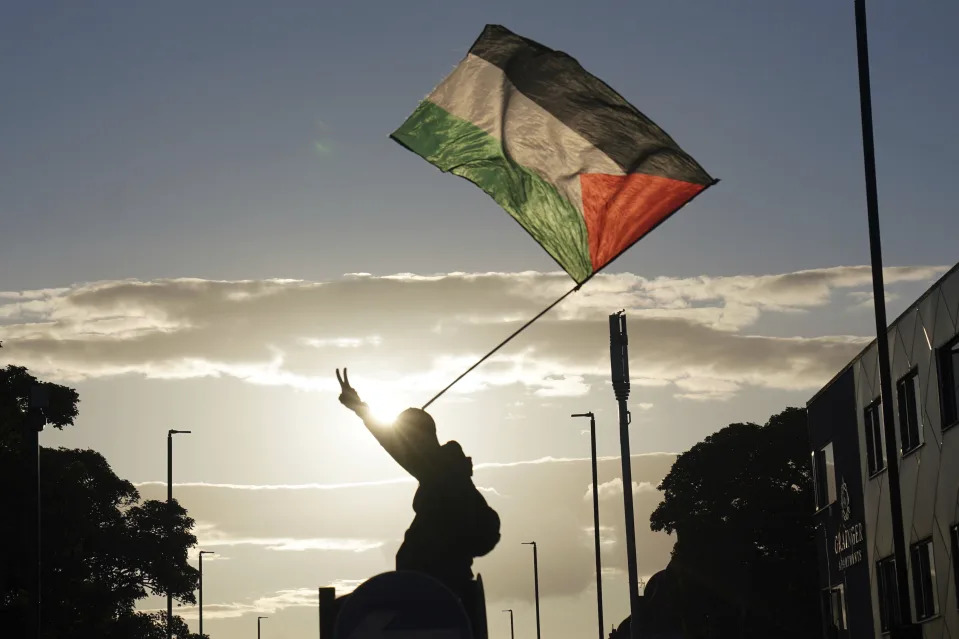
{"x": 169, "y": 499}
{"x": 879, "y": 303}
{"x": 33, "y": 443}
{"x": 512, "y": 632}
{"x": 599, "y": 563}
{"x": 535, "y": 583}
{"x": 201, "y": 593}
{"x": 39, "y": 400}
{"x": 169, "y": 466}
{"x": 202, "y": 552}
{"x": 619, "y": 368}
{"x": 258, "y": 626}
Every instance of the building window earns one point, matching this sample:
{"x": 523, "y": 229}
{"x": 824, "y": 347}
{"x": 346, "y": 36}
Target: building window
{"x": 874, "y": 448}
{"x": 910, "y": 411}
{"x": 888, "y": 593}
{"x": 949, "y": 383}
{"x": 834, "y": 604}
{"x": 955, "y": 560}
{"x": 824, "y": 476}
{"x": 924, "y": 580}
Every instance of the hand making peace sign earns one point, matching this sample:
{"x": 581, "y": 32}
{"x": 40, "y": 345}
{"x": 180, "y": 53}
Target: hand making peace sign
{"x": 348, "y": 395}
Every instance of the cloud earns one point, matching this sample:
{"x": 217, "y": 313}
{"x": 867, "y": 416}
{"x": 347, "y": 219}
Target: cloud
{"x": 210, "y": 536}
{"x": 570, "y": 460}
{"x": 330, "y": 486}
{"x": 270, "y": 604}
{"x": 864, "y": 299}
{"x": 614, "y": 488}
{"x": 706, "y": 388}
{"x": 281, "y": 543}
{"x": 410, "y": 332}
{"x": 785, "y": 291}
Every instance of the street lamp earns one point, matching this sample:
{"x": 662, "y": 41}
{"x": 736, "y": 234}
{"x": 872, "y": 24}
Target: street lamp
{"x": 619, "y": 371}
{"x": 512, "y": 635}
{"x": 169, "y": 498}
{"x": 599, "y": 564}
{"x": 258, "y": 626}
{"x": 38, "y": 402}
{"x": 202, "y": 552}
{"x": 535, "y": 582}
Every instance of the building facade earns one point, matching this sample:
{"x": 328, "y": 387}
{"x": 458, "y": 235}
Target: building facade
{"x": 853, "y": 524}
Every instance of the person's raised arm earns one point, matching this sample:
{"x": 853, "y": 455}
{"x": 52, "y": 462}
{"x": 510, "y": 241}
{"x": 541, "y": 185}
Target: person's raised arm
{"x": 385, "y": 434}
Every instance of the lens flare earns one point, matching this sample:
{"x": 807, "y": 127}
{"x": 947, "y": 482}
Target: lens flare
{"x": 385, "y": 407}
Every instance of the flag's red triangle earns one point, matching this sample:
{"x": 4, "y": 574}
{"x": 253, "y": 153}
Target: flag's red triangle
{"x": 620, "y": 209}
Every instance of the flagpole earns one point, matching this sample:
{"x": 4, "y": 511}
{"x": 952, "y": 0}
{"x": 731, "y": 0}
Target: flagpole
{"x": 904, "y": 627}
{"x": 565, "y": 295}
{"x": 507, "y": 340}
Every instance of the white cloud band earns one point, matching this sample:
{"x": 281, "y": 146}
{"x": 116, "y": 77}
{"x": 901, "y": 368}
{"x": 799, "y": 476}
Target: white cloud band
{"x": 426, "y": 329}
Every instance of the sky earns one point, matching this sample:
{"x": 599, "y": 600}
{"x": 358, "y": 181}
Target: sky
{"x": 203, "y": 216}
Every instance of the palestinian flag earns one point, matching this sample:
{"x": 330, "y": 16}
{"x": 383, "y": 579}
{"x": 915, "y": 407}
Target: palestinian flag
{"x": 583, "y": 171}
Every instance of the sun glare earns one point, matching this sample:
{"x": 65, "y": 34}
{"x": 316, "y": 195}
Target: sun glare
{"x": 386, "y": 407}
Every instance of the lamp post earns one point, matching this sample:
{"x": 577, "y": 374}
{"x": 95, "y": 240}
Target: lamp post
{"x": 512, "y": 634}
{"x": 619, "y": 371}
{"x": 169, "y": 498}
{"x": 38, "y": 402}
{"x": 902, "y": 625}
{"x": 258, "y": 626}
{"x": 202, "y": 552}
{"x": 535, "y": 582}
{"x": 599, "y": 564}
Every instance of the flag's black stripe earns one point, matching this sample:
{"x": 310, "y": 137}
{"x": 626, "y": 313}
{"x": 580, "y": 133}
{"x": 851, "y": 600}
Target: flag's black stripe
{"x": 586, "y": 104}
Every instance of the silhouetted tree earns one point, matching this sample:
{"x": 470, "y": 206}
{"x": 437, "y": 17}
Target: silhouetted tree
{"x": 103, "y": 549}
{"x": 15, "y": 387}
{"x": 741, "y": 505}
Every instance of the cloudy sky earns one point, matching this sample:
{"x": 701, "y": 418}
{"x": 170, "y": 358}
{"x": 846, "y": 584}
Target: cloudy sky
{"x": 202, "y": 216}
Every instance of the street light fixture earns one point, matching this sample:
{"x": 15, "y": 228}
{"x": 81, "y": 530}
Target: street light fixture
{"x": 202, "y": 552}
{"x": 169, "y": 498}
{"x": 512, "y": 635}
{"x": 535, "y": 582}
{"x": 258, "y": 626}
{"x": 169, "y": 460}
{"x": 599, "y": 564}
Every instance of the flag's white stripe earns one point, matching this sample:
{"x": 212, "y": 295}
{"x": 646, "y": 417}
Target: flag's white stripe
{"x": 480, "y": 93}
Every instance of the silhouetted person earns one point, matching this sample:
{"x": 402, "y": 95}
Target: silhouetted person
{"x": 453, "y": 523}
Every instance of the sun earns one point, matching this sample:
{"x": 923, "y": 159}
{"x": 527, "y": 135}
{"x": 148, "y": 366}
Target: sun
{"x": 386, "y": 406}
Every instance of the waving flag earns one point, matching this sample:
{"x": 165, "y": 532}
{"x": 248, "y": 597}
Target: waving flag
{"x": 581, "y": 169}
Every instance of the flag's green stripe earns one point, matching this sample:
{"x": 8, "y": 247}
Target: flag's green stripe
{"x": 460, "y": 147}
